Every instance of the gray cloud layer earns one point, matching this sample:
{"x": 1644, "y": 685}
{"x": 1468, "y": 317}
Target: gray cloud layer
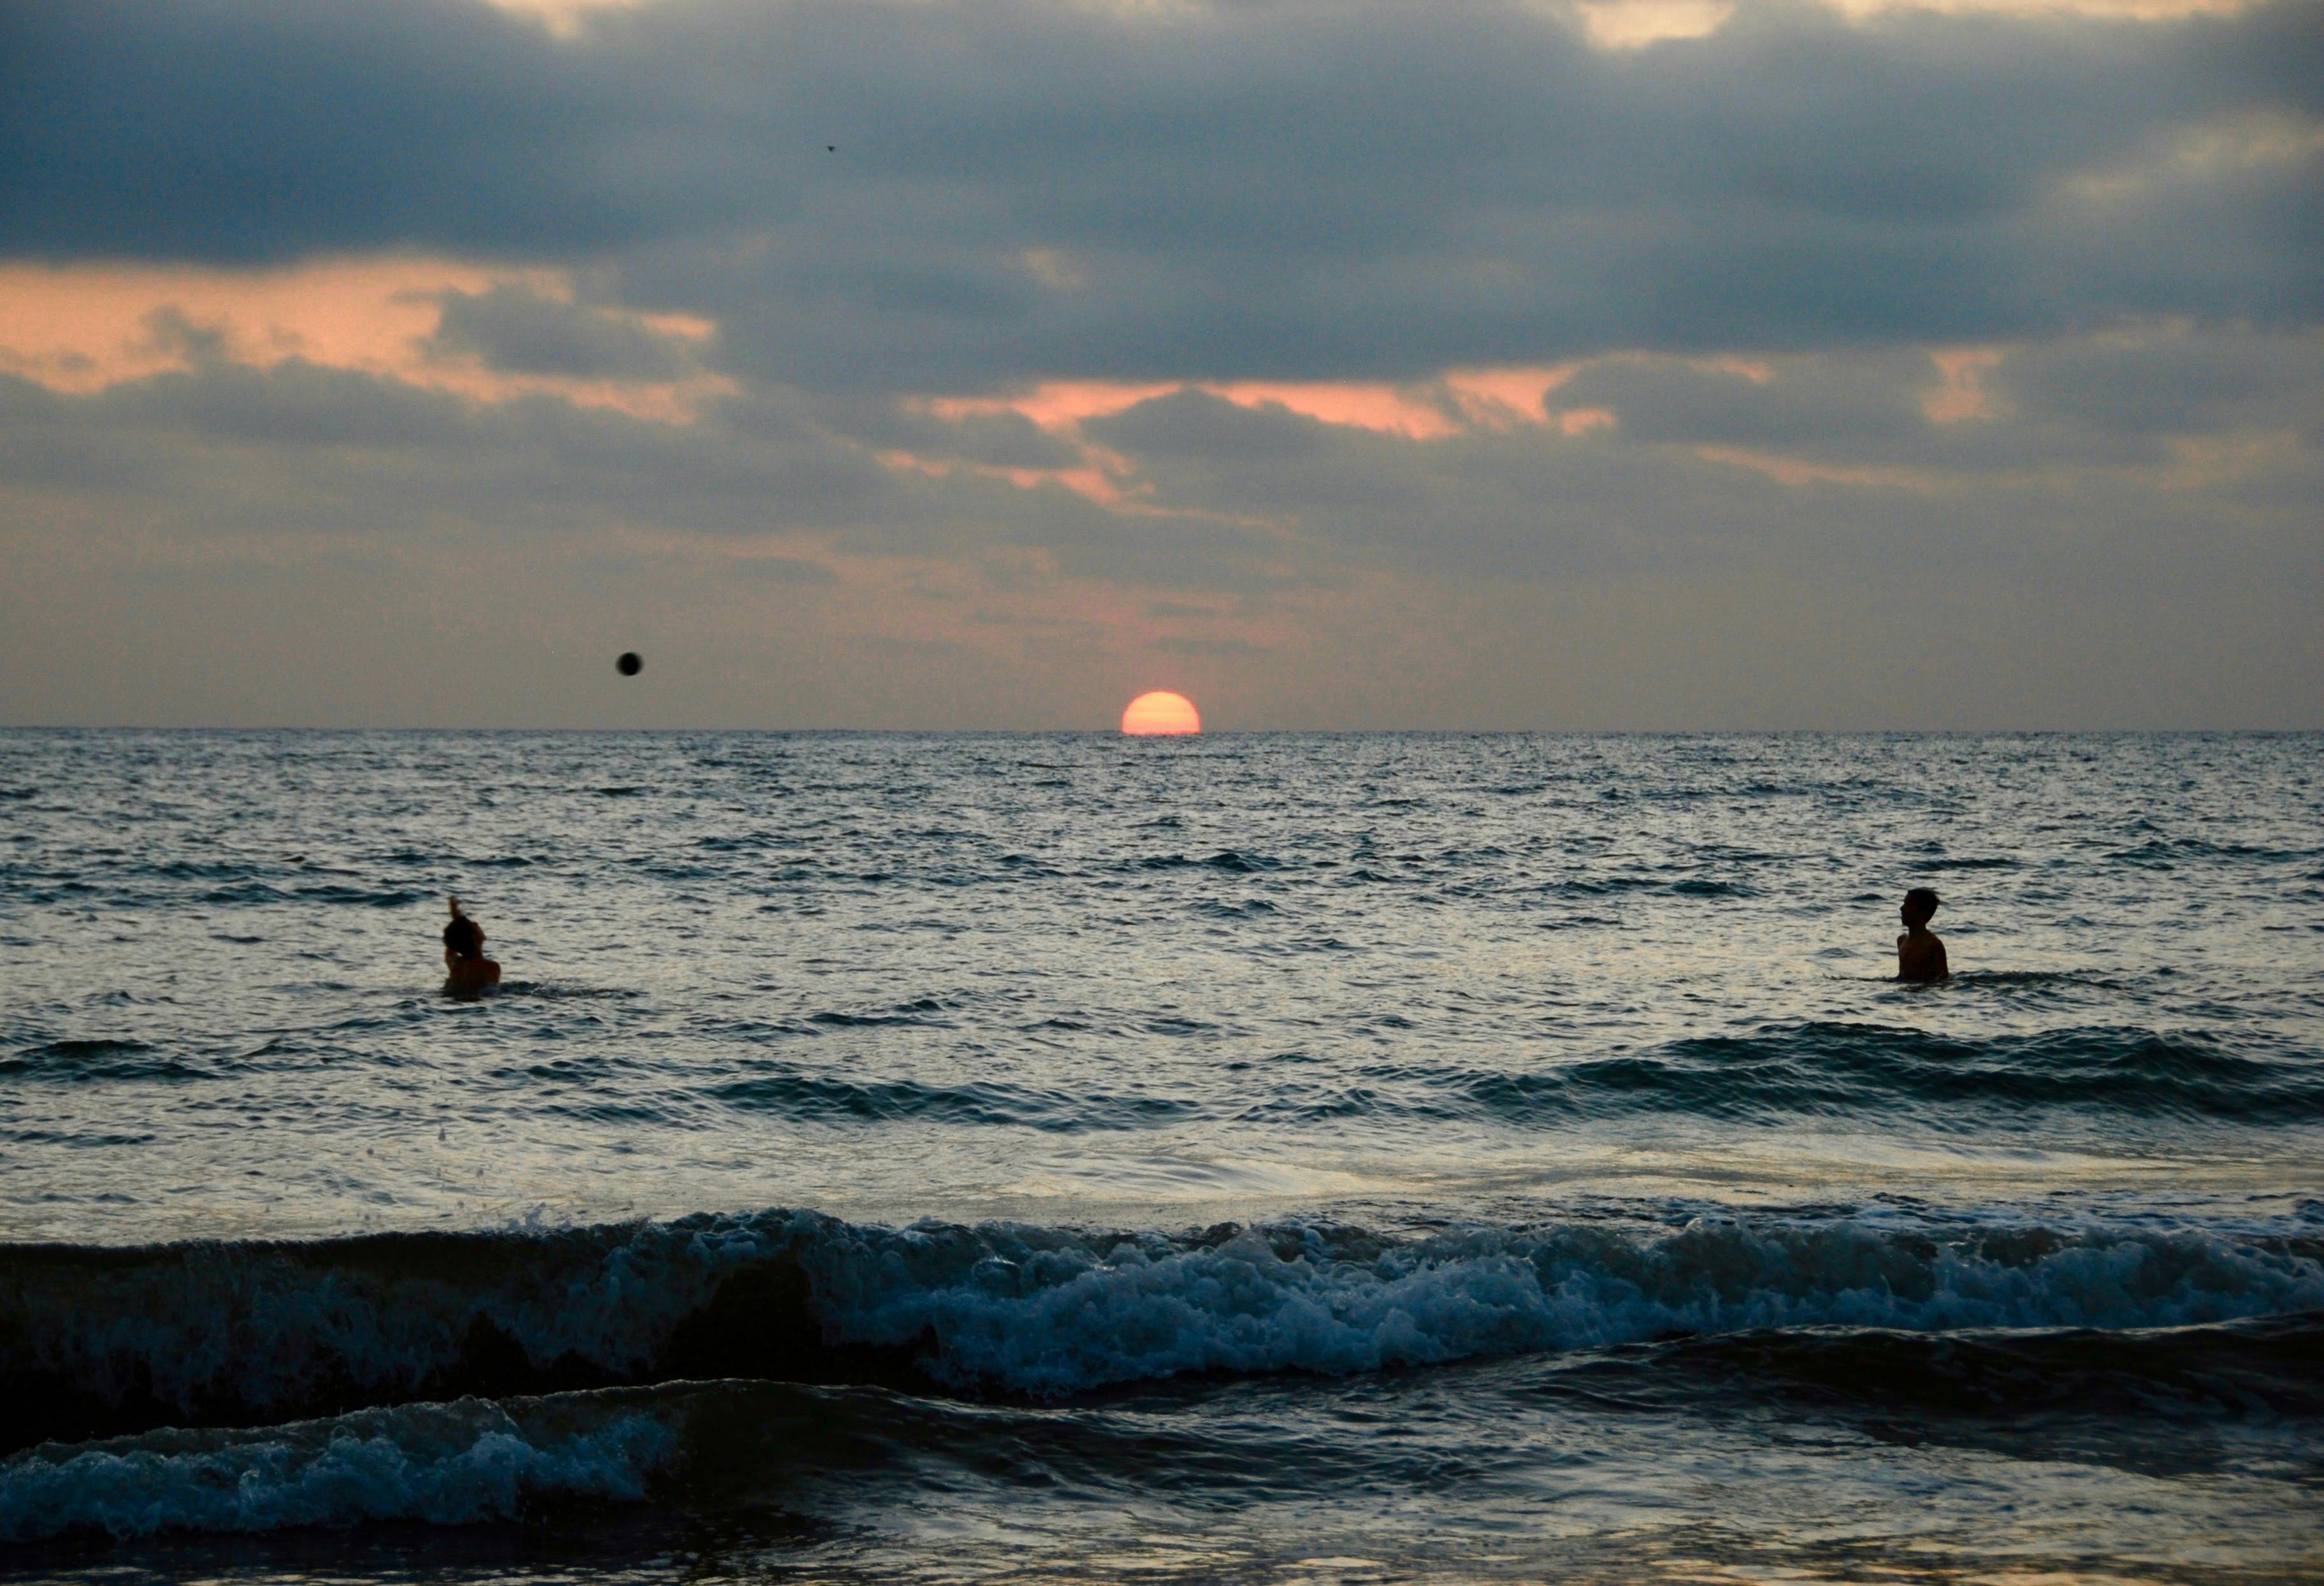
{"x": 1283, "y": 188}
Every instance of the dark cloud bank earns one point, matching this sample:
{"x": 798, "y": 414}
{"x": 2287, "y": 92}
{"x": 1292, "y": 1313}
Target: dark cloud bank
{"x": 1278, "y": 189}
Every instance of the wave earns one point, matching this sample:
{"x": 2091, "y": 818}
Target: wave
{"x": 2163, "y": 852}
{"x": 1231, "y": 861}
{"x": 96, "y": 1341}
{"x": 1051, "y": 1317}
{"x": 1775, "y": 1072}
{"x": 790, "y": 1091}
{"x": 696, "y": 1443}
{"x": 92, "y": 1060}
{"x": 2273, "y": 1366}
{"x": 1833, "y": 1067}
{"x": 447, "y": 1464}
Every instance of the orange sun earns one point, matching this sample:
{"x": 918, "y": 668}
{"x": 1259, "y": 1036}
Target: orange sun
{"x": 1160, "y": 714}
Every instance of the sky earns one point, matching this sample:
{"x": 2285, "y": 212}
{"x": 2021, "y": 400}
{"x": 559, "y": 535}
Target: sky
{"x": 1651, "y": 365}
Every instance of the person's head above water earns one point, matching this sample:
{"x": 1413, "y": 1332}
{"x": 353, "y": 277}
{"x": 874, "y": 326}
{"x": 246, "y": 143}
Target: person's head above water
{"x": 1920, "y": 905}
{"x": 463, "y": 935}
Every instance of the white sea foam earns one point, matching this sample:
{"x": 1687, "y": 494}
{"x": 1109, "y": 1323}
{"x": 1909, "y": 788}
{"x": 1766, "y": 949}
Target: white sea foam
{"x": 1040, "y": 1311}
{"x": 1054, "y": 1311}
{"x": 1057, "y": 1320}
{"x": 449, "y": 1464}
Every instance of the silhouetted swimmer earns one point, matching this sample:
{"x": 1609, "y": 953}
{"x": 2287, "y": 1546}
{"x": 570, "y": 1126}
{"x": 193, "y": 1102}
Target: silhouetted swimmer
{"x": 464, "y": 954}
{"x": 1920, "y": 954}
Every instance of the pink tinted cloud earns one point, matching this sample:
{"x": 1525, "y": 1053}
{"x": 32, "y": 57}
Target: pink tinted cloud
{"x": 1057, "y": 405}
{"x": 83, "y": 329}
{"x": 1456, "y": 403}
{"x": 1093, "y": 483}
{"x": 1799, "y": 473}
{"x": 1495, "y": 397}
{"x": 1962, "y": 396}
{"x": 1062, "y": 406}
{"x": 1459, "y": 402}
{"x": 1385, "y": 409}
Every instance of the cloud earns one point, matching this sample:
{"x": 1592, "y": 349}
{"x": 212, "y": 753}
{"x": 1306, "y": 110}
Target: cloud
{"x": 1290, "y": 192}
{"x": 517, "y": 330}
{"x": 782, "y": 569}
{"x": 490, "y": 335}
{"x": 1311, "y": 572}
{"x": 1808, "y": 455}
{"x": 294, "y": 404}
{"x": 1193, "y": 423}
{"x": 1873, "y": 401}
{"x": 2162, "y": 381}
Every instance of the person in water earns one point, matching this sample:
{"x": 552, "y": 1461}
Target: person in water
{"x": 1920, "y": 954}
{"x": 463, "y": 953}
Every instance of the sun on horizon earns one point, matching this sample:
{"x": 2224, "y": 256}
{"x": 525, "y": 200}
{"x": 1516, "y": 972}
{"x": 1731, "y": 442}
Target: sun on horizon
{"x": 1160, "y": 714}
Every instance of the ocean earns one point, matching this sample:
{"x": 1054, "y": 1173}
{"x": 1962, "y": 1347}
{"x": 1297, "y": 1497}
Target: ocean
{"x": 1251, "y": 1156}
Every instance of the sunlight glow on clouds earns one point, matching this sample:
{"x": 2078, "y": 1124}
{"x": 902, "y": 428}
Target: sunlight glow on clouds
{"x": 2107, "y": 10}
{"x": 1490, "y": 397}
{"x": 1094, "y": 484}
{"x": 1956, "y": 387}
{"x": 85, "y": 328}
{"x": 1962, "y": 396}
{"x": 1610, "y": 24}
{"x": 1459, "y": 402}
{"x": 2206, "y": 153}
{"x": 1632, "y": 24}
{"x": 1799, "y": 474}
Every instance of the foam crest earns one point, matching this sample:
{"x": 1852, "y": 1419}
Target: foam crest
{"x": 1037, "y": 1316}
{"x": 97, "y": 1342}
{"x": 447, "y": 1464}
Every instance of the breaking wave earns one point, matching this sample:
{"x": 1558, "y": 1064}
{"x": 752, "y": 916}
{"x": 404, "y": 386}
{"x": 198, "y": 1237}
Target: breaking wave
{"x": 101, "y": 1341}
{"x": 689, "y": 1442}
{"x": 447, "y": 1465}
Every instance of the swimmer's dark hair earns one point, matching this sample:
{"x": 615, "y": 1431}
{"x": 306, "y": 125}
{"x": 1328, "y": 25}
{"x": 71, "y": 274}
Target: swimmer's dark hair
{"x": 463, "y": 935}
{"x": 1925, "y": 896}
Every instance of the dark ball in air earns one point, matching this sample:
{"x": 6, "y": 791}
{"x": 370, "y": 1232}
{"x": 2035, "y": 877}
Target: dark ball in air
{"x": 629, "y": 664}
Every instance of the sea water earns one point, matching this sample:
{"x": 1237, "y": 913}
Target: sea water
{"x": 1249, "y": 1157}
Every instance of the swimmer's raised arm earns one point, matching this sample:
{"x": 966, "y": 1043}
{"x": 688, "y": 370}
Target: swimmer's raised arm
{"x": 464, "y": 938}
{"x": 464, "y": 951}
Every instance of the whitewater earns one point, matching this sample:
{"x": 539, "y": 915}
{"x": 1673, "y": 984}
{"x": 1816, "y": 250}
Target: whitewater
{"x": 900, "y": 1158}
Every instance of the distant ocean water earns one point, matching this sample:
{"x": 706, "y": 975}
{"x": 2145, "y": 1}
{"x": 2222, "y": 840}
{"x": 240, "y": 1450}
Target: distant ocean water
{"x": 1259, "y": 1157}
